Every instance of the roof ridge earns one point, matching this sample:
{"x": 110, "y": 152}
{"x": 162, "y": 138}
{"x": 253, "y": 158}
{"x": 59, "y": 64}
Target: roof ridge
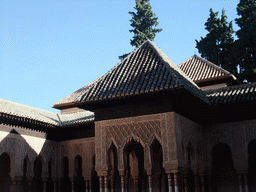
{"x": 166, "y": 60}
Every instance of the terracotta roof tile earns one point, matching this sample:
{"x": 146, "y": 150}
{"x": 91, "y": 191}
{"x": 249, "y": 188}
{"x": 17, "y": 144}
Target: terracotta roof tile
{"x": 201, "y": 70}
{"x": 146, "y": 69}
{"x": 232, "y": 94}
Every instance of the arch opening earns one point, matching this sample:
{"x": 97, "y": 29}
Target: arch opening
{"x": 37, "y": 179}
{"x": 95, "y": 185}
{"x": 115, "y": 180}
{"x": 224, "y": 177}
{"x": 159, "y": 178}
{"x": 79, "y": 180}
{"x": 5, "y": 169}
{"x": 135, "y": 172}
{"x": 65, "y": 181}
{"x": 49, "y": 183}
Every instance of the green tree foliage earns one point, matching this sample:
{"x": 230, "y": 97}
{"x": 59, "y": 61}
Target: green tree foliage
{"x": 143, "y": 22}
{"x": 246, "y": 43}
{"x": 218, "y": 45}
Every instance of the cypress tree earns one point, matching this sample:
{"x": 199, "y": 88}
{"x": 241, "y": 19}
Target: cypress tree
{"x": 217, "y": 46}
{"x": 246, "y": 43}
{"x": 143, "y": 22}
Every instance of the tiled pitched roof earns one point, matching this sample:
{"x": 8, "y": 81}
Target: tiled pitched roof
{"x": 70, "y": 119}
{"x": 146, "y": 69}
{"x": 200, "y": 70}
{"x": 25, "y": 113}
{"x": 233, "y": 94}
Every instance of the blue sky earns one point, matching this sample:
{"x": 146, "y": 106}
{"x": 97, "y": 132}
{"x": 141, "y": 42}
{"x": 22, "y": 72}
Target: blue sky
{"x": 51, "y": 48}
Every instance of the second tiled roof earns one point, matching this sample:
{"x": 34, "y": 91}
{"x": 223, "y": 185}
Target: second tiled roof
{"x": 201, "y": 70}
{"x": 146, "y": 69}
{"x": 232, "y": 94}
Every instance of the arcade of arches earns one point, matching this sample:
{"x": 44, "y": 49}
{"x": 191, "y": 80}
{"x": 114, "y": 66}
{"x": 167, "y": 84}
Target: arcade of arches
{"x": 119, "y": 160}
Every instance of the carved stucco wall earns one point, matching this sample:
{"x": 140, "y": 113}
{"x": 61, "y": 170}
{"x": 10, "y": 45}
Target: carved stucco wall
{"x": 83, "y": 147}
{"x": 143, "y": 129}
{"x": 236, "y": 135}
{"x": 19, "y": 146}
{"x": 189, "y": 135}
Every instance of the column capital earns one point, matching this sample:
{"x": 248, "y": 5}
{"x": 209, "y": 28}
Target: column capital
{"x": 121, "y": 172}
{"x": 16, "y": 178}
{"x": 103, "y": 173}
{"x": 149, "y": 171}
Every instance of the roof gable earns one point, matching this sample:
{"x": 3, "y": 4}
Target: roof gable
{"x": 201, "y": 70}
{"x": 146, "y": 69}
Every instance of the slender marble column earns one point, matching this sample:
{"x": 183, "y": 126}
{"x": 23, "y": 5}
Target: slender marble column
{"x": 150, "y": 183}
{"x": 29, "y": 179}
{"x": 122, "y": 183}
{"x": 176, "y": 186}
{"x": 209, "y": 182}
{"x": 197, "y": 183}
{"x": 55, "y": 186}
{"x": 106, "y": 183}
{"x": 202, "y": 182}
{"x": 73, "y": 186}
{"x": 185, "y": 182}
{"x": 170, "y": 182}
{"x": 44, "y": 182}
{"x": 85, "y": 186}
{"x": 90, "y": 185}
{"x": 240, "y": 182}
{"x": 16, "y": 186}
{"x": 101, "y": 184}
{"x": 245, "y": 183}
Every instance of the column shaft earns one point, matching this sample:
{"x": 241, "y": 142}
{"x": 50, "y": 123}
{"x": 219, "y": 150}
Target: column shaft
{"x": 85, "y": 186}
{"x": 44, "y": 182}
{"x": 122, "y": 183}
{"x": 245, "y": 183}
{"x": 170, "y": 182}
{"x": 73, "y": 186}
{"x": 90, "y": 185}
{"x": 106, "y": 183}
{"x": 101, "y": 184}
{"x": 176, "y": 185}
{"x": 150, "y": 183}
{"x": 202, "y": 182}
{"x": 240, "y": 182}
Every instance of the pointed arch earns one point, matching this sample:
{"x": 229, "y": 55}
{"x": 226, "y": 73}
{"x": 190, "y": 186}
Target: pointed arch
{"x": 159, "y": 178}
{"x": 38, "y": 170}
{"x": 155, "y": 137}
{"x": 65, "y": 181}
{"x": 79, "y": 184}
{"x": 131, "y": 138}
{"x": 5, "y": 167}
{"x": 134, "y": 164}
{"x": 224, "y": 176}
{"x": 112, "y": 142}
